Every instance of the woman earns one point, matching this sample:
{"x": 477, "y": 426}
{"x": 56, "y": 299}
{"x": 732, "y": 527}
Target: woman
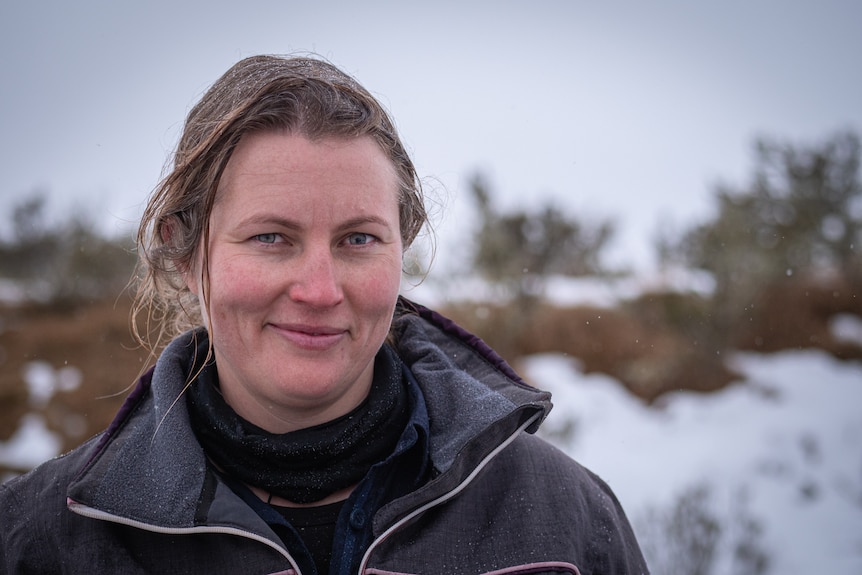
{"x": 303, "y": 417}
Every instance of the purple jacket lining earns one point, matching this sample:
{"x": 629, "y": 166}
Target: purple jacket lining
{"x": 474, "y": 341}
{"x": 129, "y": 405}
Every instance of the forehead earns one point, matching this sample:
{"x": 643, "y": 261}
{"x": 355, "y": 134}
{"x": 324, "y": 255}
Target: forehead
{"x": 277, "y": 164}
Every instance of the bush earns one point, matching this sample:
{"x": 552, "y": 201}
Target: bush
{"x": 63, "y": 264}
{"x": 521, "y": 249}
{"x": 691, "y": 537}
{"x": 799, "y": 217}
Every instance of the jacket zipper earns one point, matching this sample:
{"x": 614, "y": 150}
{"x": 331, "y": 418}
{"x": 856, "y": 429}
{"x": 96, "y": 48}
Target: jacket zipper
{"x": 86, "y": 511}
{"x": 446, "y": 496}
{"x": 89, "y": 512}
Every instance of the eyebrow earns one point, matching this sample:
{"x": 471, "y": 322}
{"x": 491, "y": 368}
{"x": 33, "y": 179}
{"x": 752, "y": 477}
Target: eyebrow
{"x": 361, "y": 220}
{"x": 268, "y": 219}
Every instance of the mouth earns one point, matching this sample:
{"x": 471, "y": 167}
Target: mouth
{"x": 310, "y": 337}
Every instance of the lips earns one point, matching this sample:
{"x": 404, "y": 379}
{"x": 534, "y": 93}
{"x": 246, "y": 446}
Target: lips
{"x": 310, "y": 337}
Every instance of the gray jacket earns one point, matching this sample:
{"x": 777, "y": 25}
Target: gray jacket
{"x": 139, "y": 498}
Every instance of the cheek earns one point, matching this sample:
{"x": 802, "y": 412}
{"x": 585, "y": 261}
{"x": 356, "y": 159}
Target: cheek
{"x": 377, "y": 291}
{"x": 235, "y": 288}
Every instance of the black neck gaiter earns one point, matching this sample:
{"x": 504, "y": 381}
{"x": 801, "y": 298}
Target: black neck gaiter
{"x": 305, "y": 465}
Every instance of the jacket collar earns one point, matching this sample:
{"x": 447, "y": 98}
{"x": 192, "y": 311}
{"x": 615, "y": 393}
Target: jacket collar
{"x": 469, "y": 388}
{"x": 149, "y": 467}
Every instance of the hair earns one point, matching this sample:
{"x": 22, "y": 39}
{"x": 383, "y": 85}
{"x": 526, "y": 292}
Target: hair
{"x": 305, "y": 96}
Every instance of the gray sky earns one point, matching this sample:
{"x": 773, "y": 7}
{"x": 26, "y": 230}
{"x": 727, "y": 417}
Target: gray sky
{"x": 625, "y": 110}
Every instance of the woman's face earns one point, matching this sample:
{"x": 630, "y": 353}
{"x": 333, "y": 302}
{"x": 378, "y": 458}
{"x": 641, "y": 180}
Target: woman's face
{"x": 304, "y": 270}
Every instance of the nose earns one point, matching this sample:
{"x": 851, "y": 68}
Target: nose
{"x": 316, "y": 280}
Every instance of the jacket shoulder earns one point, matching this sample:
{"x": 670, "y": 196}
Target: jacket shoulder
{"x": 529, "y": 505}
{"x": 533, "y": 463}
{"x": 33, "y": 512}
{"x": 570, "y": 501}
{"x": 50, "y": 478}
{"x": 531, "y": 454}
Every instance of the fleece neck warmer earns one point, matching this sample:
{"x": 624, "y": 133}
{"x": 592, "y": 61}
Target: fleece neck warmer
{"x": 308, "y": 464}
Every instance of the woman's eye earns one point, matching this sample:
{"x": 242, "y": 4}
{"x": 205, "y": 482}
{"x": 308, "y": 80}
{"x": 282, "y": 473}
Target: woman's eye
{"x": 359, "y": 239}
{"x": 266, "y": 238}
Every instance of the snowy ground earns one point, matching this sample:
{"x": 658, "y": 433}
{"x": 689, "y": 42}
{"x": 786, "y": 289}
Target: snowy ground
{"x": 790, "y": 438}
{"x": 786, "y": 443}
{"x": 33, "y": 443}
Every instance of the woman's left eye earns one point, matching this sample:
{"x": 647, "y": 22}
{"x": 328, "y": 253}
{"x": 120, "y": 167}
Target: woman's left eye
{"x": 359, "y": 239}
{"x": 266, "y": 238}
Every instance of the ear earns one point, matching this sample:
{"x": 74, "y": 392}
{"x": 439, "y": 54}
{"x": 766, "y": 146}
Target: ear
{"x": 190, "y": 277}
{"x": 169, "y": 232}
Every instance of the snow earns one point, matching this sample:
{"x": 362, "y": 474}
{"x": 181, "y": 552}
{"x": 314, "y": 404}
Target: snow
{"x": 43, "y": 381}
{"x": 31, "y": 444}
{"x": 789, "y": 437}
{"x": 11, "y": 291}
{"x": 561, "y": 290}
{"x": 846, "y": 327}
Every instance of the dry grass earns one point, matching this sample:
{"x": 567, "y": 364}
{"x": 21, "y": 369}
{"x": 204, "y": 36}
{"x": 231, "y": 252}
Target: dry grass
{"x": 796, "y": 314}
{"x": 653, "y": 345}
{"x": 650, "y": 359}
{"x": 94, "y": 339}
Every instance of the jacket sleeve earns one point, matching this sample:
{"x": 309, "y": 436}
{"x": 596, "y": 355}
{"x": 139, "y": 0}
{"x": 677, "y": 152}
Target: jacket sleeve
{"x": 31, "y": 508}
{"x": 612, "y": 547}
{"x": 578, "y": 508}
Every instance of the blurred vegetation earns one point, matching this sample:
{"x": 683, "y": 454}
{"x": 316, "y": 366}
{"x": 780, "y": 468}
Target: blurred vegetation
{"x": 63, "y": 306}
{"x": 693, "y": 535}
{"x": 66, "y": 263}
{"x": 798, "y": 222}
{"x": 521, "y": 249}
{"x": 784, "y": 252}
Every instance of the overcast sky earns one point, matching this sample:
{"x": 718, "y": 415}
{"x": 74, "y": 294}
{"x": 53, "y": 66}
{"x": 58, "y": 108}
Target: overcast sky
{"x": 625, "y": 110}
